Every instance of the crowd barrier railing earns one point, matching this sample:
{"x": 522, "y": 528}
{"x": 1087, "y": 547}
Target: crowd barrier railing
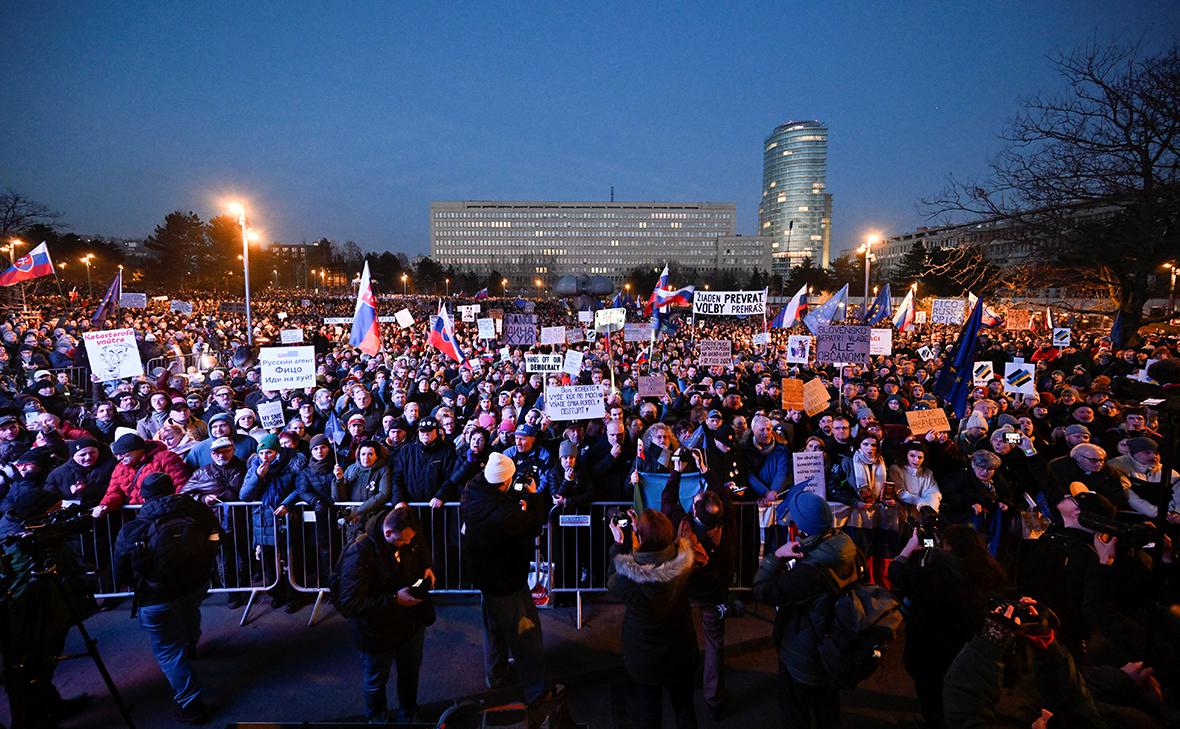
{"x": 79, "y": 381}
{"x": 200, "y": 361}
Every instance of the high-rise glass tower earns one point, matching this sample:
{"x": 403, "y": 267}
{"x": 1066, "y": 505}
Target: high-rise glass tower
{"x": 796, "y": 209}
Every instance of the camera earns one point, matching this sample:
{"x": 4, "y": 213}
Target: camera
{"x": 621, "y": 519}
{"x": 419, "y": 589}
{"x": 53, "y": 529}
{"x": 1136, "y": 534}
{"x": 928, "y": 527}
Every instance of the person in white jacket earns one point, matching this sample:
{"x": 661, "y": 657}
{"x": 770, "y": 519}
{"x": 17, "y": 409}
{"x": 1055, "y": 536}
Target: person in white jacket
{"x": 915, "y": 483}
{"x": 1140, "y": 465}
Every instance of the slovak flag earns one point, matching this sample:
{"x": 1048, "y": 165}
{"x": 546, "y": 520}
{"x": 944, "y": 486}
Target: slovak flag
{"x": 668, "y": 297}
{"x": 663, "y": 283}
{"x": 481, "y": 294}
{"x": 795, "y": 310}
{"x": 366, "y": 332}
{"x": 33, "y": 264}
{"x": 442, "y": 335}
{"x": 904, "y": 318}
{"x": 991, "y": 318}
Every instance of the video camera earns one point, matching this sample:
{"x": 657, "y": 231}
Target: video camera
{"x": 522, "y": 482}
{"x": 52, "y": 529}
{"x": 928, "y": 527}
{"x": 1136, "y": 534}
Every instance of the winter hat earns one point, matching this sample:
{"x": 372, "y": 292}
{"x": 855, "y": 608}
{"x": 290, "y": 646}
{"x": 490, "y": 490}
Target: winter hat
{"x": 975, "y": 421}
{"x": 487, "y": 421}
{"x": 566, "y": 449}
{"x": 1138, "y": 445}
{"x": 39, "y": 456}
{"x": 1007, "y": 419}
{"x": 222, "y": 418}
{"x": 77, "y": 445}
{"x": 127, "y": 443}
{"x": 219, "y": 443}
{"x": 269, "y": 442}
{"x": 242, "y": 412}
{"x": 500, "y": 469}
{"x": 811, "y": 513}
{"x": 156, "y": 485}
{"x": 319, "y": 440}
{"x": 1077, "y": 429}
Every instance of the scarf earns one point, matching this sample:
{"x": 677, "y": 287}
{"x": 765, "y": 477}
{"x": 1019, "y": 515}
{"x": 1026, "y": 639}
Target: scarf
{"x": 869, "y": 474}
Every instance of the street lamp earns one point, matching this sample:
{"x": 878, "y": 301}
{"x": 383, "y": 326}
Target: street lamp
{"x": 504, "y": 285}
{"x": 404, "y": 278}
{"x": 1172, "y": 286}
{"x": 240, "y": 210}
{"x": 86, "y": 260}
{"x": 538, "y": 283}
{"x": 448, "y": 287}
{"x": 867, "y": 249}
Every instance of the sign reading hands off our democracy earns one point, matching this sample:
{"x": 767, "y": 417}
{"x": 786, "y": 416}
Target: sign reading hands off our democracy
{"x": 574, "y": 402}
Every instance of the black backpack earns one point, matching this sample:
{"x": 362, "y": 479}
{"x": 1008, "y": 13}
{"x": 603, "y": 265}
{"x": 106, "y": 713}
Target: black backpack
{"x": 334, "y": 580}
{"x": 854, "y": 625}
{"x": 173, "y": 556}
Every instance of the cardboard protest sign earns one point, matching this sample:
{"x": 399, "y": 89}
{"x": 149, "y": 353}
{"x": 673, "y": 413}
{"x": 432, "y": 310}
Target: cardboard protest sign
{"x": 113, "y": 353}
{"x": 1061, "y": 337}
{"x": 1017, "y": 319}
{"x": 798, "y": 349}
{"x": 520, "y": 329}
{"x": 543, "y": 362}
{"x": 924, "y": 421}
{"x": 404, "y": 318}
{"x": 759, "y": 339}
{"x": 842, "y": 343}
{"x": 652, "y": 386}
{"x": 586, "y": 317}
{"x": 946, "y": 311}
{"x": 487, "y": 328}
{"x": 574, "y": 402}
{"x": 1020, "y": 377}
{"x": 808, "y": 471}
{"x": 637, "y": 332}
{"x": 792, "y": 394}
{"x": 881, "y": 341}
{"x": 572, "y": 365}
{"x": 291, "y": 336}
{"x": 181, "y": 307}
{"x": 270, "y": 414}
{"x": 136, "y": 301}
{"x": 982, "y": 373}
{"x": 609, "y": 320}
{"x": 552, "y": 335}
{"x": 716, "y": 353}
{"x": 287, "y": 368}
{"x": 815, "y": 397}
{"x": 729, "y": 303}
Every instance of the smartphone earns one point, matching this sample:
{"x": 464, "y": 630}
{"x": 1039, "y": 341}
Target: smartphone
{"x": 623, "y": 522}
{"x": 1013, "y": 438}
{"x": 927, "y": 543}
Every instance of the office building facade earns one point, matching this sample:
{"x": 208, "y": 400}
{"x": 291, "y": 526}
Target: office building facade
{"x": 796, "y": 209}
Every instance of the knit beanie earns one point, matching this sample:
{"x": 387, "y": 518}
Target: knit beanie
{"x": 810, "y": 512}
{"x": 500, "y": 469}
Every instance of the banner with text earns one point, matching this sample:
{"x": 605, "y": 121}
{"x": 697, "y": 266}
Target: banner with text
{"x": 728, "y": 303}
{"x": 842, "y": 343}
{"x": 113, "y": 353}
{"x": 716, "y": 353}
{"x": 287, "y": 368}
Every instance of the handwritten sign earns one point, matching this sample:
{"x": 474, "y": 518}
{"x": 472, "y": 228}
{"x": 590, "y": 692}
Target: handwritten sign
{"x": 924, "y": 421}
{"x": 1017, "y": 319}
{"x": 798, "y": 349}
{"x": 113, "y": 353}
{"x": 881, "y": 342}
{"x": 946, "y": 311}
{"x": 815, "y": 397}
{"x": 637, "y": 332}
{"x": 609, "y": 320}
{"x": 760, "y": 339}
{"x": 552, "y": 335}
{"x": 792, "y": 394}
{"x": 133, "y": 301}
{"x": 270, "y": 414}
{"x": 842, "y": 343}
{"x": 572, "y": 365}
{"x": 404, "y": 318}
{"x": 181, "y": 307}
{"x": 487, "y": 328}
{"x": 574, "y": 402}
{"x": 729, "y": 303}
{"x": 808, "y": 470}
{"x": 287, "y": 368}
{"x": 652, "y": 385}
{"x": 520, "y": 329}
{"x": 543, "y": 362}
{"x": 291, "y": 336}
{"x": 716, "y": 353}
{"x": 586, "y": 317}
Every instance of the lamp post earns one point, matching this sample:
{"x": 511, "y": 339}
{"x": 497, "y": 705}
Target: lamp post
{"x": 538, "y": 283}
{"x": 448, "y": 287}
{"x": 404, "y": 278}
{"x": 867, "y": 249}
{"x": 1172, "y": 286}
{"x": 240, "y": 210}
{"x": 504, "y": 285}
{"x": 86, "y": 260}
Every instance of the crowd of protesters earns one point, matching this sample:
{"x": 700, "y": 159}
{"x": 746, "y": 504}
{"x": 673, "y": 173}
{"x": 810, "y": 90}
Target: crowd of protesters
{"x": 1012, "y": 488}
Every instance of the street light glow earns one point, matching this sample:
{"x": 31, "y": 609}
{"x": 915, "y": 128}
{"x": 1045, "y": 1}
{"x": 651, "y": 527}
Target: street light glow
{"x": 236, "y": 208}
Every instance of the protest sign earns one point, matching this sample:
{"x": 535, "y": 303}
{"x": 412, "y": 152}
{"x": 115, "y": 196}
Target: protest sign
{"x": 281, "y": 316}
{"x": 291, "y": 336}
{"x": 113, "y": 353}
{"x": 1017, "y": 319}
{"x": 496, "y": 313}
{"x": 471, "y": 309}
{"x": 716, "y": 353}
{"x": 842, "y": 343}
{"x": 919, "y": 317}
{"x": 652, "y": 385}
{"x": 338, "y": 320}
{"x": 385, "y": 320}
{"x": 982, "y": 373}
{"x": 505, "y": 354}
{"x": 233, "y": 307}
{"x": 287, "y": 368}
{"x": 552, "y": 335}
{"x": 133, "y": 301}
{"x": 815, "y": 397}
{"x": 520, "y": 329}
{"x": 637, "y": 332}
{"x": 792, "y": 394}
{"x": 1020, "y": 377}
{"x": 946, "y": 311}
{"x": 466, "y": 314}
{"x": 924, "y": 421}
{"x": 808, "y": 471}
{"x": 404, "y": 319}
{"x": 586, "y": 317}
{"x": 543, "y": 362}
{"x": 159, "y": 299}
{"x": 881, "y": 341}
{"x": 729, "y": 303}
{"x": 270, "y": 414}
{"x": 798, "y": 349}
{"x": 609, "y": 320}
{"x": 1061, "y": 337}
{"x": 926, "y": 353}
{"x": 305, "y": 302}
{"x": 487, "y": 328}
{"x": 574, "y": 335}
{"x": 574, "y": 402}
{"x": 181, "y": 307}
{"x": 572, "y": 365}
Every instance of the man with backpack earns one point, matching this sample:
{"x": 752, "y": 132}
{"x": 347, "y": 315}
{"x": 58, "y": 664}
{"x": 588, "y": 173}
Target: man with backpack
{"x": 831, "y": 625}
{"x": 167, "y": 554}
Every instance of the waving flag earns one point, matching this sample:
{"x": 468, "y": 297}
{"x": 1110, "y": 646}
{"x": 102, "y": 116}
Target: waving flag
{"x": 904, "y": 318}
{"x": 33, "y": 264}
{"x": 879, "y": 309}
{"x": 662, "y": 298}
{"x": 366, "y": 332}
{"x": 956, "y": 376}
{"x": 664, "y": 282}
{"x": 110, "y": 300}
{"x": 828, "y": 312}
{"x": 442, "y": 335}
{"x": 481, "y": 294}
{"x": 990, "y": 317}
{"x": 795, "y": 310}
{"x": 333, "y": 430}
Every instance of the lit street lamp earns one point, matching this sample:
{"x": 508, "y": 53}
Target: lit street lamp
{"x": 86, "y": 260}
{"x": 240, "y": 210}
{"x": 867, "y": 249}
{"x": 538, "y": 283}
{"x": 448, "y": 287}
{"x": 504, "y": 285}
{"x": 404, "y": 278}
{"x": 1172, "y": 286}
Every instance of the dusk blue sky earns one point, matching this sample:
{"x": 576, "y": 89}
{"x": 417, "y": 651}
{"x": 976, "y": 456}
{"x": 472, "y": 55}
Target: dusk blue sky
{"x": 346, "y": 120}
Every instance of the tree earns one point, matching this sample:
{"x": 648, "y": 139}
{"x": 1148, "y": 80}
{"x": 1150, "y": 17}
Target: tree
{"x": 428, "y": 276}
{"x": 912, "y": 267}
{"x": 183, "y": 249}
{"x": 808, "y": 274}
{"x": 850, "y": 269}
{"x": 350, "y": 255}
{"x": 18, "y": 213}
{"x": 1090, "y": 180}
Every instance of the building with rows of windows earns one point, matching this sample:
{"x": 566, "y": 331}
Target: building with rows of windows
{"x": 796, "y": 210}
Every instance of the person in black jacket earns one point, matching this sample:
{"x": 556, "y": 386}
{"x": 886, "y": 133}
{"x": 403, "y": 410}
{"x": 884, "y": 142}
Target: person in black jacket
{"x": 85, "y": 476}
{"x": 169, "y": 605}
{"x": 501, "y": 525}
{"x": 377, "y": 570}
{"x": 422, "y": 471}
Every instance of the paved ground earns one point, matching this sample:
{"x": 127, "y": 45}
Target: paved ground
{"x": 277, "y": 669}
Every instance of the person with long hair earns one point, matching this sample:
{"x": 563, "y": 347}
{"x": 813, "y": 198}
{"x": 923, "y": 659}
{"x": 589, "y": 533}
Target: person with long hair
{"x": 859, "y": 482}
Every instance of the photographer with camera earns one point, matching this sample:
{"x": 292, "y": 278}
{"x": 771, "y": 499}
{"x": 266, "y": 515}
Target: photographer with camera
{"x": 384, "y": 582}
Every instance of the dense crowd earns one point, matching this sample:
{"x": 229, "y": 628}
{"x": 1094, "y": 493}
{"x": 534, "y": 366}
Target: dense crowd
{"x": 1019, "y": 540}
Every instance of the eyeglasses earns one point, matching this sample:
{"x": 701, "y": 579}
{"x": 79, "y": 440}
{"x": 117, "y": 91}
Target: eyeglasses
{"x": 1093, "y": 459}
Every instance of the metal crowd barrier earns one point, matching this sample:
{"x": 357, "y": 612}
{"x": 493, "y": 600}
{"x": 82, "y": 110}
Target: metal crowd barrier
{"x": 201, "y": 361}
{"x": 79, "y": 378}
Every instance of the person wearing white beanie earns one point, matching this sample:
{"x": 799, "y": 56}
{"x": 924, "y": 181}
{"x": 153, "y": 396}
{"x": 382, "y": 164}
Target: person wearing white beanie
{"x": 500, "y": 469}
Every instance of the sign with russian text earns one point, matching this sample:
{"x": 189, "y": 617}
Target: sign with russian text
{"x": 543, "y": 362}
{"x": 287, "y": 368}
{"x": 922, "y": 422}
{"x": 113, "y": 353}
{"x": 552, "y": 335}
{"x": 637, "y": 332}
{"x": 520, "y": 329}
{"x": 270, "y": 414}
{"x": 574, "y": 402}
{"x": 609, "y": 320}
{"x": 842, "y": 343}
{"x": 881, "y": 342}
{"x": 807, "y": 470}
{"x": 946, "y": 311}
{"x": 798, "y": 349}
{"x": 291, "y": 336}
{"x": 716, "y": 353}
{"x": 652, "y": 386}
{"x": 728, "y": 303}
{"x": 487, "y": 328}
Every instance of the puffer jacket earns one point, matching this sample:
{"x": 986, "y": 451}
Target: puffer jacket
{"x": 275, "y": 488}
{"x": 371, "y": 487}
{"x": 421, "y": 473}
{"x": 127, "y": 480}
{"x": 95, "y": 478}
{"x": 659, "y": 641}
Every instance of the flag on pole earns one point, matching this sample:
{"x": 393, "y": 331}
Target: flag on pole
{"x": 828, "y": 312}
{"x": 333, "y": 430}
{"x": 796, "y": 309}
{"x": 481, "y": 294}
{"x": 110, "y": 300}
{"x": 904, "y": 318}
{"x": 366, "y": 332}
{"x": 956, "y": 377}
{"x": 442, "y": 335}
{"x": 662, "y": 283}
{"x": 990, "y": 317}
{"x": 34, "y": 264}
{"x": 879, "y": 309}
{"x": 1048, "y": 320}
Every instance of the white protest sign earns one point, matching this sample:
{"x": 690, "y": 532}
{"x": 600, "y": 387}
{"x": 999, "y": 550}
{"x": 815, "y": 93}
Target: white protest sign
{"x": 338, "y": 320}
{"x": 466, "y": 314}
{"x": 404, "y": 318}
{"x": 520, "y": 329}
{"x": 305, "y": 302}
{"x": 572, "y": 365}
{"x": 760, "y": 338}
{"x": 919, "y": 317}
{"x": 798, "y": 349}
{"x": 881, "y": 341}
{"x": 946, "y": 311}
{"x": 586, "y": 317}
{"x": 609, "y": 320}
{"x": 808, "y": 472}
{"x": 543, "y": 362}
{"x": 133, "y": 301}
{"x": 552, "y": 335}
{"x": 982, "y": 373}
{"x": 270, "y": 414}
{"x": 1061, "y": 337}
{"x": 113, "y": 353}
{"x": 716, "y": 353}
{"x": 637, "y": 332}
{"x": 842, "y": 343}
{"x": 287, "y": 368}
{"x": 1020, "y": 377}
{"x": 926, "y": 353}
{"x": 487, "y": 328}
{"x": 574, "y": 402}
{"x": 181, "y": 307}
{"x": 291, "y": 336}
{"x": 729, "y": 303}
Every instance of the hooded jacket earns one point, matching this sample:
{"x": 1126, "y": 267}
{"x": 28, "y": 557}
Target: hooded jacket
{"x": 126, "y": 480}
{"x": 499, "y": 536}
